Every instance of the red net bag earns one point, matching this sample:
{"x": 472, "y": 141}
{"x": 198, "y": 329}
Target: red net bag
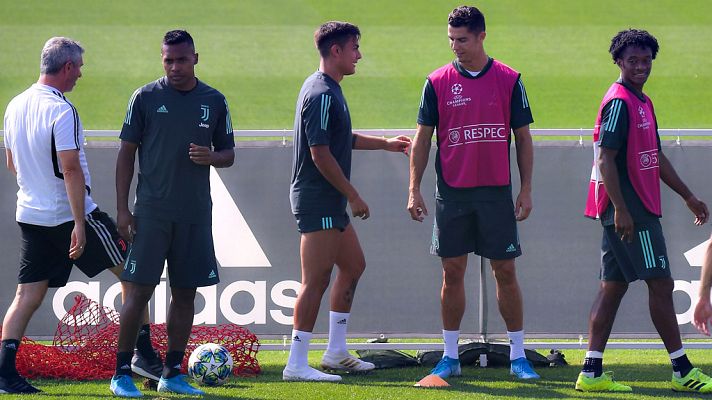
{"x": 84, "y": 346}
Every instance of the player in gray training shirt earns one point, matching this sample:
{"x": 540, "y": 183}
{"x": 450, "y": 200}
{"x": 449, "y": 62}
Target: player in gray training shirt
{"x": 180, "y": 128}
{"x": 320, "y": 105}
{"x": 319, "y": 193}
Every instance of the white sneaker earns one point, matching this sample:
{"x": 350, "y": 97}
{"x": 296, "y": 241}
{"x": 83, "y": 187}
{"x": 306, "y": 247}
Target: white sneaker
{"x": 345, "y": 362}
{"x": 308, "y": 374}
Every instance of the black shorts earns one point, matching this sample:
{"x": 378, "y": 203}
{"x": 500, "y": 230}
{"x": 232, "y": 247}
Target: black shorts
{"x": 645, "y": 258}
{"x": 315, "y": 222}
{"x": 45, "y": 250}
{"x": 486, "y": 228}
{"x": 187, "y": 248}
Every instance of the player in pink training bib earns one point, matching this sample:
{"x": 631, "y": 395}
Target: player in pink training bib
{"x": 474, "y": 104}
{"x": 624, "y": 192}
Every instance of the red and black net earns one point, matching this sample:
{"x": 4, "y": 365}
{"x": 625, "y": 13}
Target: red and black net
{"x": 84, "y": 346}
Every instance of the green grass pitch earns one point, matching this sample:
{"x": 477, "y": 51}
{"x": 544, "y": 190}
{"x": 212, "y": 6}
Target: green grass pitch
{"x": 258, "y": 53}
{"x": 647, "y": 371}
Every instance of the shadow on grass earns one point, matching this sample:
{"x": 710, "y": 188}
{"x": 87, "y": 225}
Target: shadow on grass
{"x": 54, "y": 389}
{"x": 647, "y": 380}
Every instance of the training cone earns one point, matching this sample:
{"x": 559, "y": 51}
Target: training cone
{"x": 432, "y": 380}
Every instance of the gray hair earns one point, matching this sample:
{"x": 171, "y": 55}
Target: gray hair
{"x": 57, "y": 52}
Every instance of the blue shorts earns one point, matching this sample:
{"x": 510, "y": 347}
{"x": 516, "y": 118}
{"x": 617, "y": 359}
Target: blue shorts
{"x": 644, "y": 258}
{"x": 315, "y": 222}
{"x": 486, "y": 228}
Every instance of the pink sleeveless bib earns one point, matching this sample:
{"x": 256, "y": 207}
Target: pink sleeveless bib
{"x": 641, "y": 156}
{"x": 473, "y": 129}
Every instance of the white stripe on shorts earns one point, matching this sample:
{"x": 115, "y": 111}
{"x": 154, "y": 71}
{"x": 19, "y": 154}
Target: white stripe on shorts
{"x": 105, "y": 238}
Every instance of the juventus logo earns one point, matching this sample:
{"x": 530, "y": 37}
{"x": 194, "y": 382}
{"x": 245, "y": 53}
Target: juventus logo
{"x": 206, "y": 112}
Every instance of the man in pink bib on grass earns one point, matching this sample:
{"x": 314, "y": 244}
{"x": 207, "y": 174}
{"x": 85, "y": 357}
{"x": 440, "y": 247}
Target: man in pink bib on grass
{"x": 624, "y": 193}
{"x": 474, "y": 103}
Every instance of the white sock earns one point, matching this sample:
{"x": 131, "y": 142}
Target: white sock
{"x": 338, "y": 324}
{"x": 516, "y": 344}
{"x": 299, "y": 350}
{"x": 450, "y": 338}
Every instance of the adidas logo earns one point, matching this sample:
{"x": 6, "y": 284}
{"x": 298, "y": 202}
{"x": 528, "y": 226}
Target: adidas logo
{"x": 162, "y": 109}
{"x": 296, "y": 339}
{"x": 11, "y": 346}
{"x": 212, "y": 274}
{"x": 342, "y": 322}
{"x": 511, "y": 249}
{"x": 125, "y": 366}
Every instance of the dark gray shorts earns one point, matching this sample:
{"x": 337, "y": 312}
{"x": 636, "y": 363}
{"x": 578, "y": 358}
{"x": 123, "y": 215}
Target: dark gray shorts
{"x": 45, "y": 250}
{"x": 486, "y": 228}
{"x": 645, "y": 258}
{"x": 187, "y": 249}
{"x": 315, "y": 222}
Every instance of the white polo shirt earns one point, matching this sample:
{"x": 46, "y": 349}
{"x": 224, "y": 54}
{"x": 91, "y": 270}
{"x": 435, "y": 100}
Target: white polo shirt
{"x": 40, "y": 122}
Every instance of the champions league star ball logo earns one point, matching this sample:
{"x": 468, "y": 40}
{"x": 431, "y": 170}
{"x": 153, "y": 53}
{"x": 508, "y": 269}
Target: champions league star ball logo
{"x": 456, "y": 89}
{"x": 643, "y": 123}
{"x": 457, "y": 97}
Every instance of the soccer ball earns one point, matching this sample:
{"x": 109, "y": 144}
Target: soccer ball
{"x": 210, "y": 364}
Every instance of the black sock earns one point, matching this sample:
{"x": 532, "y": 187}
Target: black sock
{"x": 681, "y": 365}
{"x": 8, "y": 354}
{"x": 143, "y": 343}
{"x": 594, "y": 365}
{"x": 123, "y": 363}
{"x": 171, "y": 367}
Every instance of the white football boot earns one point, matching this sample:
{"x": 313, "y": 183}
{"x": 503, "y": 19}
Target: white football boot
{"x": 345, "y": 362}
{"x": 308, "y": 373}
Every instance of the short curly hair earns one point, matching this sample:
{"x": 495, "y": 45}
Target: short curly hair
{"x": 632, "y": 37}
{"x": 471, "y": 17}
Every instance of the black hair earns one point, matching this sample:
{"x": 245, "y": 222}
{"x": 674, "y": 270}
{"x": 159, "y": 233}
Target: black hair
{"x": 334, "y": 32}
{"x": 635, "y": 38}
{"x": 178, "y": 36}
{"x": 467, "y": 16}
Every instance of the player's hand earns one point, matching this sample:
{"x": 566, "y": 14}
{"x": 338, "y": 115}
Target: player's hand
{"x": 625, "y": 227}
{"x": 416, "y": 206}
{"x": 398, "y": 144}
{"x": 703, "y": 315}
{"x": 200, "y": 155}
{"x": 125, "y": 225}
{"x": 77, "y": 242}
{"x": 359, "y": 208}
{"x": 699, "y": 208}
{"x": 523, "y": 206}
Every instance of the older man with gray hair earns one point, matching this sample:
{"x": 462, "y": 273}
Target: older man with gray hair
{"x": 60, "y": 224}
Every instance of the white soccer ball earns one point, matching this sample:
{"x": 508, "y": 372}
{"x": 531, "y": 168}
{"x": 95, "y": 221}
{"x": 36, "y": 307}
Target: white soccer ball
{"x": 210, "y": 364}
